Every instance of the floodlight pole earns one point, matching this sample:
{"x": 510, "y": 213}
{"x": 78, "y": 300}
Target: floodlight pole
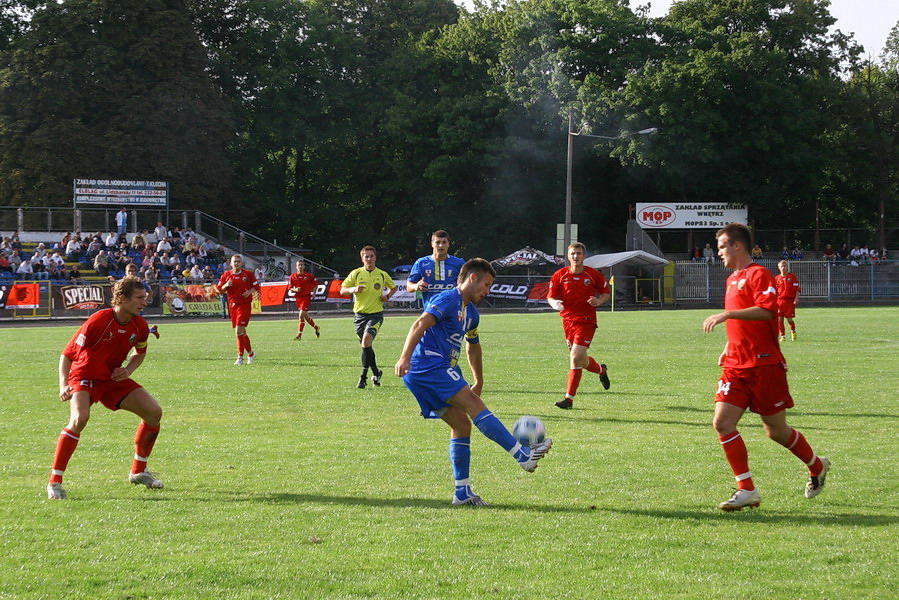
{"x": 566, "y": 236}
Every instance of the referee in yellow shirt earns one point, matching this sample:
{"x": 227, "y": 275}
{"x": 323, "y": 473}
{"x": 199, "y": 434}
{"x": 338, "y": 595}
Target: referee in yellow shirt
{"x": 370, "y": 287}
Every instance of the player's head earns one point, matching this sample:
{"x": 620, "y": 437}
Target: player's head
{"x": 369, "y": 257}
{"x": 784, "y": 266}
{"x": 131, "y": 269}
{"x": 734, "y": 241}
{"x": 475, "y": 279}
{"x": 440, "y": 241}
{"x": 237, "y": 262}
{"x": 129, "y": 290}
{"x": 577, "y": 252}
{"x": 301, "y": 265}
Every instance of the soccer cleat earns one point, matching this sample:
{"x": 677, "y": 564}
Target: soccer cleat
{"x": 604, "y": 377}
{"x": 567, "y": 403}
{"x": 155, "y": 331}
{"x": 239, "y": 361}
{"x": 538, "y": 451}
{"x": 742, "y": 499}
{"x": 376, "y": 378}
{"x": 299, "y": 336}
{"x": 471, "y": 499}
{"x": 815, "y": 483}
{"x": 793, "y": 336}
{"x": 251, "y": 357}
{"x": 55, "y": 491}
{"x": 362, "y": 382}
{"x": 318, "y": 332}
{"x": 146, "y": 478}
{"x": 782, "y": 339}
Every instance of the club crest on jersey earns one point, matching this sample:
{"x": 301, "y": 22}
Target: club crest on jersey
{"x": 132, "y": 338}
{"x": 428, "y": 272}
{"x": 741, "y": 284}
{"x": 588, "y": 283}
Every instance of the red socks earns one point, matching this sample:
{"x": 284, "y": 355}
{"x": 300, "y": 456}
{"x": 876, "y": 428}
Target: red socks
{"x": 735, "y": 450}
{"x": 65, "y": 447}
{"x": 143, "y": 445}
{"x": 593, "y": 366}
{"x": 574, "y": 380}
{"x": 803, "y": 451}
{"x": 243, "y": 344}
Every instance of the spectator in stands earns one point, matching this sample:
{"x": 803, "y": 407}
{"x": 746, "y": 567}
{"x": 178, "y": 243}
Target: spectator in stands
{"x": 208, "y": 273}
{"x": 73, "y": 249}
{"x": 74, "y": 275}
{"x": 757, "y": 252}
{"x": 829, "y": 254}
{"x": 176, "y": 236}
{"x": 785, "y": 254}
{"x": 175, "y": 272}
{"x": 56, "y": 260}
{"x": 93, "y": 248}
{"x": 843, "y": 253}
{"x": 856, "y": 255}
{"x": 865, "y": 254}
{"x": 260, "y": 273}
{"x": 195, "y": 273}
{"x": 188, "y": 246}
{"x": 101, "y": 263}
{"x": 796, "y": 254}
{"x": 696, "y": 255}
{"x": 15, "y": 260}
{"x": 6, "y": 245}
{"x": 111, "y": 241}
{"x": 25, "y": 270}
{"x": 708, "y": 253}
{"x": 121, "y": 221}
{"x": 14, "y": 241}
{"x": 38, "y": 268}
{"x": 874, "y": 255}
{"x": 4, "y": 262}
{"x": 160, "y": 232}
{"x": 40, "y": 251}
{"x": 164, "y": 245}
{"x": 185, "y": 275}
{"x": 138, "y": 242}
{"x": 152, "y": 274}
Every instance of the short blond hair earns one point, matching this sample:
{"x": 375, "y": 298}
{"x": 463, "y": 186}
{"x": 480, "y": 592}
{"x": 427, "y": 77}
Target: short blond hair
{"x": 124, "y": 288}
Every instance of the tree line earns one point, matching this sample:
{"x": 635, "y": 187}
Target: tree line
{"x": 329, "y": 124}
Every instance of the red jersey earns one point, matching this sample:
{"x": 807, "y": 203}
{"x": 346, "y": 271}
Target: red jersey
{"x": 751, "y": 343}
{"x": 305, "y": 283}
{"x": 243, "y": 281}
{"x": 787, "y": 286}
{"x": 574, "y": 290}
{"x": 102, "y": 344}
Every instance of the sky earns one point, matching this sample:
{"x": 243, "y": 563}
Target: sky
{"x": 870, "y": 20}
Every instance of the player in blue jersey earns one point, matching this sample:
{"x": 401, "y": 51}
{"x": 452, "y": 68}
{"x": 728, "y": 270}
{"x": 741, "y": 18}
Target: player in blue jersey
{"x": 433, "y": 274}
{"x": 428, "y": 366}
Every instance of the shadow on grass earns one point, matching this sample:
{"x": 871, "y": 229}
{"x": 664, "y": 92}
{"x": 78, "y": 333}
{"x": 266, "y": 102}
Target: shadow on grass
{"x": 799, "y": 413}
{"x": 762, "y": 516}
{"x": 572, "y": 415}
{"x": 430, "y": 503}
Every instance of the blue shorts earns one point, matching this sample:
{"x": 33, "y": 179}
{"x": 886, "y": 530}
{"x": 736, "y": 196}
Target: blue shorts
{"x": 433, "y": 388}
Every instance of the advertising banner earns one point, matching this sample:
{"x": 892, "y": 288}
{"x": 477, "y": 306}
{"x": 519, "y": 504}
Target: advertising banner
{"x": 121, "y": 192}
{"x": 82, "y": 297}
{"x": 702, "y": 215}
{"x": 20, "y": 295}
{"x": 195, "y": 299}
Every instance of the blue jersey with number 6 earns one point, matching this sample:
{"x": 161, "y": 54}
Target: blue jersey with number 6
{"x": 441, "y": 344}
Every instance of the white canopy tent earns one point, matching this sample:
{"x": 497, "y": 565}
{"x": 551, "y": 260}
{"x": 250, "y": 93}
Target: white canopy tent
{"x": 623, "y": 260}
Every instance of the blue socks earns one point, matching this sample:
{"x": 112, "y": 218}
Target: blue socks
{"x": 493, "y": 429}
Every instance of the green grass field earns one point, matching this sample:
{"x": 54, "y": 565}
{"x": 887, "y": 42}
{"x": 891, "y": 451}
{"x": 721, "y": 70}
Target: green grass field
{"x": 284, "y": 481}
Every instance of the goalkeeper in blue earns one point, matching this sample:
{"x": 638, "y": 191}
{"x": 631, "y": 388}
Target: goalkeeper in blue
{"x": 428, "y": 366}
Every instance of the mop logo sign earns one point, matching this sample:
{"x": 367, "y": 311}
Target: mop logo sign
{"x": 656, "y": 216}
{"x": 704, "y": 215}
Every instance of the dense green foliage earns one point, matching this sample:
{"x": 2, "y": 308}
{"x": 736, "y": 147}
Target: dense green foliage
{"x": 332, "y": 123}
{"x": 282, "y": 480}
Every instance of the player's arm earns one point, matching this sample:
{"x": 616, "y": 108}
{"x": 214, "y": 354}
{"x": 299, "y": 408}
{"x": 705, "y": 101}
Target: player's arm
{"x": 134, "y": 361}
{"x": 422, "y": 324}
{"x": 348, "y": 286}
{"x": 65, "y": 365}
{"x": 476, "y": 363}
{"x": 390, "y": 291}
{"x": 598, "y": 300}
{"x": 753, "y": 313}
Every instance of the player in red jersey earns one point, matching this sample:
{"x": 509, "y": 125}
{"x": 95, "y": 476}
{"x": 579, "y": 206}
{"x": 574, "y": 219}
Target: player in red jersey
{"x": 239, "y": 284}
{"x": 787, "y": 285}
{"x": 303, "y": 285}
{"x": 577, "y": 291}
{"x": 754, "y": 372}
{"x": 90, "y": 371}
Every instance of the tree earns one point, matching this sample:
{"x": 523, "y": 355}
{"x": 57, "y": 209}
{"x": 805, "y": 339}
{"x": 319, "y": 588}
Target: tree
{"x": 106, "y": 89}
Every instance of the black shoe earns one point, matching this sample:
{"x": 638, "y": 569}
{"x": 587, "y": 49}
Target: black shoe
{"x": 376, "y": 378}
{"x": 566, "y": 404}
{"x": 318, "y": 333}
{"x": 362, "y": 382}
{"x": 604, "y": 377}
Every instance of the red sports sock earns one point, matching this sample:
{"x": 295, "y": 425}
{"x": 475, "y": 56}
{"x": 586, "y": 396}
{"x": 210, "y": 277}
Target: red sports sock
{"x": 593, "y": 366}
{"x": 574, "y": 380}
{"x": 792, "y": 326}
{"x": 143, "y": 446}
{"x": 735, "y": 450}
{"x": 780, "y": 326}
{"x": 239, "y": 345}
{"x": 302, "y": 326}
{"x": 65, "y": 447}
{"x": 803, "y": 451}
{"x": 312, "y": 322}
{"x": 246, "y": 344}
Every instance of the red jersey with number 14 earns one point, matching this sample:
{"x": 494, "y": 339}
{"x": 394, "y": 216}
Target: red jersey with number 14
{"x": 574, "y": 289}
{"x": 241, "y": 282}
{"x": 102, "y": 344}
{"x": 751, "y": 343}
{"x": 305, "y": 283}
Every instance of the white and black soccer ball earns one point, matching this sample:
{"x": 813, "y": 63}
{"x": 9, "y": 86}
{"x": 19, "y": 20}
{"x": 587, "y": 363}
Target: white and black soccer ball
{"x": 529, "y": 430}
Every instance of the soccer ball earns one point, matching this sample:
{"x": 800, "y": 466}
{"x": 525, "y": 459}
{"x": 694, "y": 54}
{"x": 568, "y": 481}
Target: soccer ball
{"x": 529, "y": 430}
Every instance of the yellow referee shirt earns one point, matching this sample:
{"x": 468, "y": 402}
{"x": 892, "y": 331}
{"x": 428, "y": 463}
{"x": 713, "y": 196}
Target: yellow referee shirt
{"x": 369, "y": 300}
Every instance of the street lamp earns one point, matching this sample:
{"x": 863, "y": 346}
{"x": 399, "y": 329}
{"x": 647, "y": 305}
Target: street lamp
{"x": 571, "y": 135}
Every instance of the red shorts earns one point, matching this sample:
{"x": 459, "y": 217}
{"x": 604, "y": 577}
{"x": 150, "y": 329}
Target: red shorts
{"x": 240, "y": 314}
{"x": 579, "y": 333}
{"x": 303, "y": 303}
{"x": 786, "y": 307}
{"x": 763, "y": 390}
{"x": 109, "y": 393}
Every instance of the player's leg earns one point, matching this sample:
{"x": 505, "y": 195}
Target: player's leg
{"x": 301, "y": 322}
{"x": 308, "y": 319}
{"x": 145, "y": 406}
{"x": 780, "y": 327}
{"x": 725, "y": 421}
{"x": 493, "y": 429}
{"x": 369, "y": 360}
{"x": 460, "y": 456}
{"x": 777, "y": 429}
{"x": 792, "y": 328}
{"x": 79, "y": 414}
